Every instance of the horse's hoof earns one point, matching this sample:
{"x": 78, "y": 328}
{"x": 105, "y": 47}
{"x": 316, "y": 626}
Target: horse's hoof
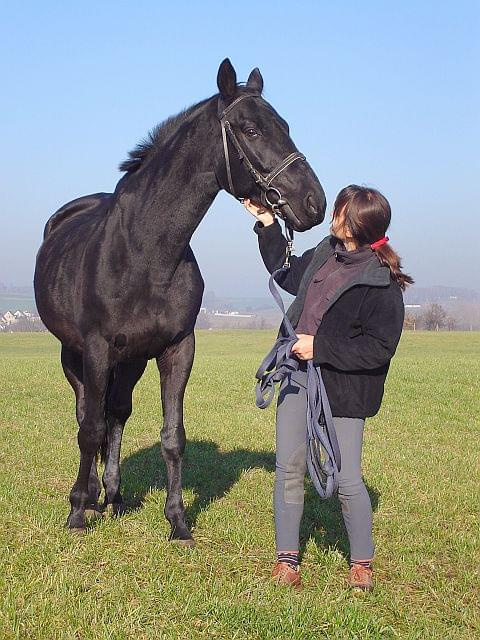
{"x": 93, "y": 513}
{"x": 187, "y": 543}
{"x": 77, "y": 531}
{"x": 113, "y": 509}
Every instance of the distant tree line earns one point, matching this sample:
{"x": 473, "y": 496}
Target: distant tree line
{"x": 434, "y": 318}
{"x": 207, "y": 321}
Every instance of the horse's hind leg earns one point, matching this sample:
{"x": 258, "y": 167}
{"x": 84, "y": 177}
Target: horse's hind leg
{"x": 119, "y": 408}
{"x": 72, "y": 364}
{"x": 175, "y": 365}
{"x": 96, "y": 371}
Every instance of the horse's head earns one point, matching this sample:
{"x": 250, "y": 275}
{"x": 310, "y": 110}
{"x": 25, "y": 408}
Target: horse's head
{"x": 261, "y": 162}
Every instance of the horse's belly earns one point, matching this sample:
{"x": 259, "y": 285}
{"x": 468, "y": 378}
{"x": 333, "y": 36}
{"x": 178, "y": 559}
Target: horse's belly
{"x": 146, "y": 339}
{"x": 138, "y": 321}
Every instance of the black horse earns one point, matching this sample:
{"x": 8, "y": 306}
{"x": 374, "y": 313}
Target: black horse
{"x": 117, "y": 282}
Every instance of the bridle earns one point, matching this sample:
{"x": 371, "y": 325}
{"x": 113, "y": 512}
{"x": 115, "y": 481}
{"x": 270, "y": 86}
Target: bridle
{"x": 264, "y": 182}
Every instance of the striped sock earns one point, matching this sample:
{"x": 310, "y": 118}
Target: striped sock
{"x": 289, "y": 558}
{"x": 363, "y": 563}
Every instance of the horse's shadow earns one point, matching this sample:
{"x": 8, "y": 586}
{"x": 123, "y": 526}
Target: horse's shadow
{"x": 211, "y": 473}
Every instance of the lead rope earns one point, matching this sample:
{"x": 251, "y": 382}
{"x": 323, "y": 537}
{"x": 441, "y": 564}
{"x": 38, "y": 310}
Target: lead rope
{"x": 289, "y": 247}
{"x": 323, "y": 452}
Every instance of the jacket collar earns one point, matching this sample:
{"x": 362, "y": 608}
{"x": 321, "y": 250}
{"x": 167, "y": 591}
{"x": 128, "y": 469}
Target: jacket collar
{"x": 374, "y": 274}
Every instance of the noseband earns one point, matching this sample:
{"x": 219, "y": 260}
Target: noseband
{"x": 264, "y": 182}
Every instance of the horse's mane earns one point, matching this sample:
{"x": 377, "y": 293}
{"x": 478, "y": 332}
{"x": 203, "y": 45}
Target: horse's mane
{"x": 156, "y": 137}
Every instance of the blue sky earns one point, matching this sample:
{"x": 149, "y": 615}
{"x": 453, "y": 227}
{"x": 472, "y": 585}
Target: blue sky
{"x": 378, "y": 93}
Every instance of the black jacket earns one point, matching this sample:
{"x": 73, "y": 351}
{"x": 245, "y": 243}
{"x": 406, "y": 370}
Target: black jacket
{"x": 360, "y": 330}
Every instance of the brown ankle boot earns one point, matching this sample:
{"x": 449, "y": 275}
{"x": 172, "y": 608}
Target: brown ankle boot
{"x": 360, "y": 577}
{"x": 283, "y": 573}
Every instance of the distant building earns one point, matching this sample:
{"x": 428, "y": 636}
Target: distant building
{"x": 8, "y": 318}
{"x": 21, "y": 321}
{"x": 235, "y": 314}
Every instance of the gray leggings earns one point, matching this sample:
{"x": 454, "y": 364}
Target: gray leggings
{"x": 291, "y": 468}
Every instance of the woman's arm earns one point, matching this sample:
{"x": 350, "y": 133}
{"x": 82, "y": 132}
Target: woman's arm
{"x": 273, "y": 244}
{"x": 375, "y": 346}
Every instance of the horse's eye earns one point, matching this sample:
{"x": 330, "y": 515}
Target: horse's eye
{"x": 251, "y": 132}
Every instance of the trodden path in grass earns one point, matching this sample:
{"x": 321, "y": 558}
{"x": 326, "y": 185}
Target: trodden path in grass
{"x": 124, "y": 580}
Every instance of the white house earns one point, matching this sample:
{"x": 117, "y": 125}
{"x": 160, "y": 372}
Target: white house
{"x": 8, "y": 318}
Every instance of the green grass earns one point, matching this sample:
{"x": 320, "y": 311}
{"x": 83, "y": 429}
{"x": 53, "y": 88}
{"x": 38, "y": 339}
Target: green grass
{"x": 124, "y": 580}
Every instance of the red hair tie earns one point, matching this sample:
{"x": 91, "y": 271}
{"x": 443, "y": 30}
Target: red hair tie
{"x": 379, "y": 243}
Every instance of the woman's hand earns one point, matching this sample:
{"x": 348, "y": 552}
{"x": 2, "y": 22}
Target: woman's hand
{"x": 262, "y": 214}
{"x": 303, "y": 347}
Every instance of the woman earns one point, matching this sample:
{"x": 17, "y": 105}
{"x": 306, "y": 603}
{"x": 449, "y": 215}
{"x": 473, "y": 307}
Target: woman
{"x": 348, "y": 316}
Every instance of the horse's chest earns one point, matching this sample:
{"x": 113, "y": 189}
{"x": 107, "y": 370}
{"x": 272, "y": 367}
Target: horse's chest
{"x": 151, "y": 324}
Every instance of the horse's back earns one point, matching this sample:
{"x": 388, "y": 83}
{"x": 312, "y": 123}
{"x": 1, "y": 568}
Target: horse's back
{"x": 79, "y": 206}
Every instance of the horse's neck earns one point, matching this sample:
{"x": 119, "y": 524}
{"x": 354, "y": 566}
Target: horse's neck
{"x": 158, "y": 208}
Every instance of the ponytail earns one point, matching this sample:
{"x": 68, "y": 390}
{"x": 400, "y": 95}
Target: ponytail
{"x": 389, "y": 258}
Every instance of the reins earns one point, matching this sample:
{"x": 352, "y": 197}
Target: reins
{"x": 323, "y": 452}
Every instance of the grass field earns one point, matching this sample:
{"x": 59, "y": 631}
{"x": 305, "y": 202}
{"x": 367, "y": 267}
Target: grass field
{"x": 124, "y": 580}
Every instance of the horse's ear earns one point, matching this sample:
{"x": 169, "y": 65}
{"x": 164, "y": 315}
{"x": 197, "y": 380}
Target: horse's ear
{"x": 227, "y": 80}
{"x": 255, "y": 81}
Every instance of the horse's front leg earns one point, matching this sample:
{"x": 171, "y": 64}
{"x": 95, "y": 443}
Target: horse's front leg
{"x": 174, "y": 366}
{"x": 96, "y": 369}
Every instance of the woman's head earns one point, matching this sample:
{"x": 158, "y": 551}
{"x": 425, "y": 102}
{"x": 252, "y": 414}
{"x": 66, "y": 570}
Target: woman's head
{"x": 361, "y": 216}
{"x": 361, "y": 213}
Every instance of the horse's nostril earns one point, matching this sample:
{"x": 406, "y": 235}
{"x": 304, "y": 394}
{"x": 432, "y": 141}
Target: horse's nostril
{"x": 311, "y": 204}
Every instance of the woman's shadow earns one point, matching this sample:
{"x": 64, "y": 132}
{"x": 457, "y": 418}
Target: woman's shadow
{"x": 211, "y": 473}
{"x": 323, "y": 521}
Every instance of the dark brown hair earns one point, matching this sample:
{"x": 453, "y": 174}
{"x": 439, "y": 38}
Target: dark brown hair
{"x": 368, "y": 214}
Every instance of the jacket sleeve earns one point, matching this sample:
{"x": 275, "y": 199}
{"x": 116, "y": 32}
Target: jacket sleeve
{"x": 377, "y": 343}
{"x": 272, "y": 245}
